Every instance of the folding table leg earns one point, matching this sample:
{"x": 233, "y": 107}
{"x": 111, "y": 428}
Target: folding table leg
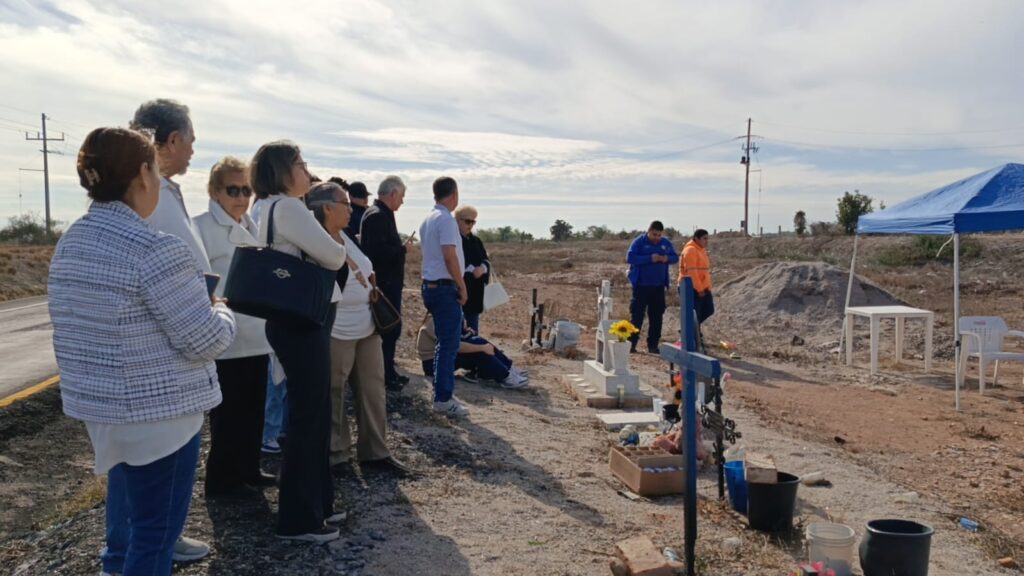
{"x": 874, "y": 344}
{"x": 929, "y": 332}
{"x": 899, "y": 339}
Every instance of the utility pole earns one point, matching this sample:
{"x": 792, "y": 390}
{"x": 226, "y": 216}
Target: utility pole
{"x": 46, "y": 165}
{"x": 747, "y": 151}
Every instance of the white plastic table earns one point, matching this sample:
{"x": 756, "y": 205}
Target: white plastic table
{"x": 900, "y": 313}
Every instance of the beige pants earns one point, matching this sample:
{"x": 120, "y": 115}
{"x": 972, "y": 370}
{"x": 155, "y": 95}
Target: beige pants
{"x": 359, "y": 363}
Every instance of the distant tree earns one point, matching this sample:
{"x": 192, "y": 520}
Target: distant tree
{"x": 561, "y": 230}
{"x": 671, "y": 233}
{"x": 823, "y": 229}
{"x": 598, "y": 232}
{"x": 881, "y": 205}
{"x": 503, "y": 234}
{"x": 850, "y": 208}
{"x": 800, "y": 223}
{"x": 29, "y": 229}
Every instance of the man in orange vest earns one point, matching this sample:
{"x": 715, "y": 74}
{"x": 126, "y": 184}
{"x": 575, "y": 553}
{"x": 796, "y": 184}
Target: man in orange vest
{"x": 696, "y": 264}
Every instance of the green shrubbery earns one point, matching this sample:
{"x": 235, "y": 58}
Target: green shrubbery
{"x": 28, "y": 229}
{"x": 922, "y": 249}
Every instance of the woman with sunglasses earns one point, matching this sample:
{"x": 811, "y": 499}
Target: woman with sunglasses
{"x": 236, "y": 426}
{"x": 478, "y": 266}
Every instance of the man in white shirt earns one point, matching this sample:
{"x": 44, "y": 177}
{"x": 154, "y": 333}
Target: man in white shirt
{"x": 169, "y": 122}
{"x": 174, "y": 136}
{"x": 444, "y": 290}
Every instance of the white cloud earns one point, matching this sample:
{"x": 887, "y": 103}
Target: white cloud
{"x": 542, "y": 110}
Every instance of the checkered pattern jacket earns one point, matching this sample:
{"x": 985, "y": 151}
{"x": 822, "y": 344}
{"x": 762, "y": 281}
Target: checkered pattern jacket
{"x": 133, "y": 330}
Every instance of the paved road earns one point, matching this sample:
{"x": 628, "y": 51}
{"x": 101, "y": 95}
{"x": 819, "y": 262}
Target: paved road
{"x": 26, "y": 344}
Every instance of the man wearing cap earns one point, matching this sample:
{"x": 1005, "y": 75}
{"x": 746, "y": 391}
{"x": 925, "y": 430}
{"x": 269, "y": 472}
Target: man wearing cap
{"x": 649, "y": 257}
{"x": 359, "y": 197}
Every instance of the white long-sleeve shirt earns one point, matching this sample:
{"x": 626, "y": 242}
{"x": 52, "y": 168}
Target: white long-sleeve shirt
{"x": 171, "y": 217}
{"x": 296, "y": 231}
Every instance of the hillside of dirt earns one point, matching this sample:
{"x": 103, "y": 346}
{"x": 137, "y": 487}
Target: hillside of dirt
{"x": 787, "y": 298}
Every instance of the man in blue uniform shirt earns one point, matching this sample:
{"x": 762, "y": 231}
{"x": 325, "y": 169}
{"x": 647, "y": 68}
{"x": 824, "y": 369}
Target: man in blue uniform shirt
{"x": 649, "y": 257}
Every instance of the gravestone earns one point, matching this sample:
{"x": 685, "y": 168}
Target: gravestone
{"x": 599, "y": 386}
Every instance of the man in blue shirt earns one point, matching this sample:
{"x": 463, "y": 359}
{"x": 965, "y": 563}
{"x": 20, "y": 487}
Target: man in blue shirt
{"x": 649, "y": 257}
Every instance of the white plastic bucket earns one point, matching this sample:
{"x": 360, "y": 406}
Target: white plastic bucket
{"x": 833, "y": 545}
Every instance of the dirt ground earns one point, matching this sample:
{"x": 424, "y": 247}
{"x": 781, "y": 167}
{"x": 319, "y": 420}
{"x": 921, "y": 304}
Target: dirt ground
{"x": 522, "y": 486}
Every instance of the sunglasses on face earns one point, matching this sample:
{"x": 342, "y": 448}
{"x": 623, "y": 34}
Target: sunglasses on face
{"x": 236, "y": 191}
{"x": 469, "y": 221}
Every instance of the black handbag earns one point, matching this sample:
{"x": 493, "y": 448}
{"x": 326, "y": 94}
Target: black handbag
{"x": 385, "y": 316}
{"x": 278, "y": 287}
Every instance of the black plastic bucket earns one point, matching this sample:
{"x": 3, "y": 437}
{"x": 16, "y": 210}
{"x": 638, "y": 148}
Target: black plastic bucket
{"x": 895, "y": 548}
{"x": 770, "y": 506}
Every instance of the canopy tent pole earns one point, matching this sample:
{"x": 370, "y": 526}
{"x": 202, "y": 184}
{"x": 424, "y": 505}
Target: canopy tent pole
{"x": 956, "y": 315}
{"x": 849, "y": 290}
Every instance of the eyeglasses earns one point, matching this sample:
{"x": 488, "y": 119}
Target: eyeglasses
{"x": 469, "y": 221}
{"x": 236, "y": 191}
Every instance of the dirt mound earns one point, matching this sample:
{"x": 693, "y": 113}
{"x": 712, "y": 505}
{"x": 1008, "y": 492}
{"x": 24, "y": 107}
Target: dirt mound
{"x": 787, "y": 299}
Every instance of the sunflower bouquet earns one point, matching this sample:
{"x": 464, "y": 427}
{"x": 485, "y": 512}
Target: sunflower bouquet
{"x": 622, "y": 330}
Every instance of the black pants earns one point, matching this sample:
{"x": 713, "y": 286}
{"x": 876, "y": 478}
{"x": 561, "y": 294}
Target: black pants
{"x": 650, "y": 299}
{"x": 236, "y": 425}
{"x": 389, "y": 341}
{"x": 306, "y": 486}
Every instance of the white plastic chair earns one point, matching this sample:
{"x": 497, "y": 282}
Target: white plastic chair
{"x": 982, "y": 338}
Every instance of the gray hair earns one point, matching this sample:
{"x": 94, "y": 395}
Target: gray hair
{"x": 161, "y": 117}
{"x": 390, "y": 185}
{"x": 322, "y": 193}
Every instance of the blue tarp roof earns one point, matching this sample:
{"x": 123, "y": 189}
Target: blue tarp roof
{"x": 986, "y": 202}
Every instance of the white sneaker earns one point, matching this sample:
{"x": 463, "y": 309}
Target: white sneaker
{"x": 336, "y": 518}
{"x": 189, "y": 550}
{"x": 515, "y": 380}
{"x": 452, "y": 408}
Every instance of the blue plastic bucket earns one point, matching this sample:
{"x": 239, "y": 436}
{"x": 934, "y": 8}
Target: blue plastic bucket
{"x": 736, "y": 481}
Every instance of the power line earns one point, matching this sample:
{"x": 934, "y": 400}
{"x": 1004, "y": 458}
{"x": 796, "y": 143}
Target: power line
{"x": 874, "y": 133}
{"x": 874, "y": 149}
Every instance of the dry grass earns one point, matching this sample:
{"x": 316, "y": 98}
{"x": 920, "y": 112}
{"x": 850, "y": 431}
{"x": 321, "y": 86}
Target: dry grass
{"x": 23, "y": 270}
{"x": 92, "y": 492}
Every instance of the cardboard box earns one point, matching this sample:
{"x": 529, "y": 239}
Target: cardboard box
{"x": 760, "y": 469}
{"x": 627, "y": 463}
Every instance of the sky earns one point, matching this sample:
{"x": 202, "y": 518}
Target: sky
{"x": 596, "y": 112}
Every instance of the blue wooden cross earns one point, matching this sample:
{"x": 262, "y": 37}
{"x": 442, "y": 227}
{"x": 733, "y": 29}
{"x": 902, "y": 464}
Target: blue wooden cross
{"x": 692, "y": 364}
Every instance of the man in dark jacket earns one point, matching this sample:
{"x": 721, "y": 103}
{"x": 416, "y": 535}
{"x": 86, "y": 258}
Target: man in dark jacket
{"x": 649, "y": 258}
{"x": 380, "y": 241}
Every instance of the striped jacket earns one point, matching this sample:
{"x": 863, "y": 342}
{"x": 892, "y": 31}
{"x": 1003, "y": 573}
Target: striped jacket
{"x": 133, "y": 330}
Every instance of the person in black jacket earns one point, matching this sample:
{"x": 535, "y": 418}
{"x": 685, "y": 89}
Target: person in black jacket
{"x": 380, "y": 241}
{"x": 478, "y": 266}
{"x": 359, "y": 199}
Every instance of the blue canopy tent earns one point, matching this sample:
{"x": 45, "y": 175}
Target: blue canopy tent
{"x": 991, "y": 201}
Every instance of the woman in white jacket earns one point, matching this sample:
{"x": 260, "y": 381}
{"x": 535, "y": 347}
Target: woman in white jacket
{"x": 236, "y": 426}
{"x": 306, "y": 500}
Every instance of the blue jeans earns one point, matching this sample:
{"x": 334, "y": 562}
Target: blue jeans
{"x": 443, "y": 303}
{"x": 487, "y": 367}
{"x": 275, "y": 415}
{"x": 146, "y": 510}
{"x": 649, "y": 299}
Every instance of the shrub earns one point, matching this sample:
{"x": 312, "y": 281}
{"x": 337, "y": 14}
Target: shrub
{"x": 29, "y": 229}
{"x": 919, "y": 250}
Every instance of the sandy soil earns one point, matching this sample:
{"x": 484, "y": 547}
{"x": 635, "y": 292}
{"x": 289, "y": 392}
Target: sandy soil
{"x": 522, "y": 487}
